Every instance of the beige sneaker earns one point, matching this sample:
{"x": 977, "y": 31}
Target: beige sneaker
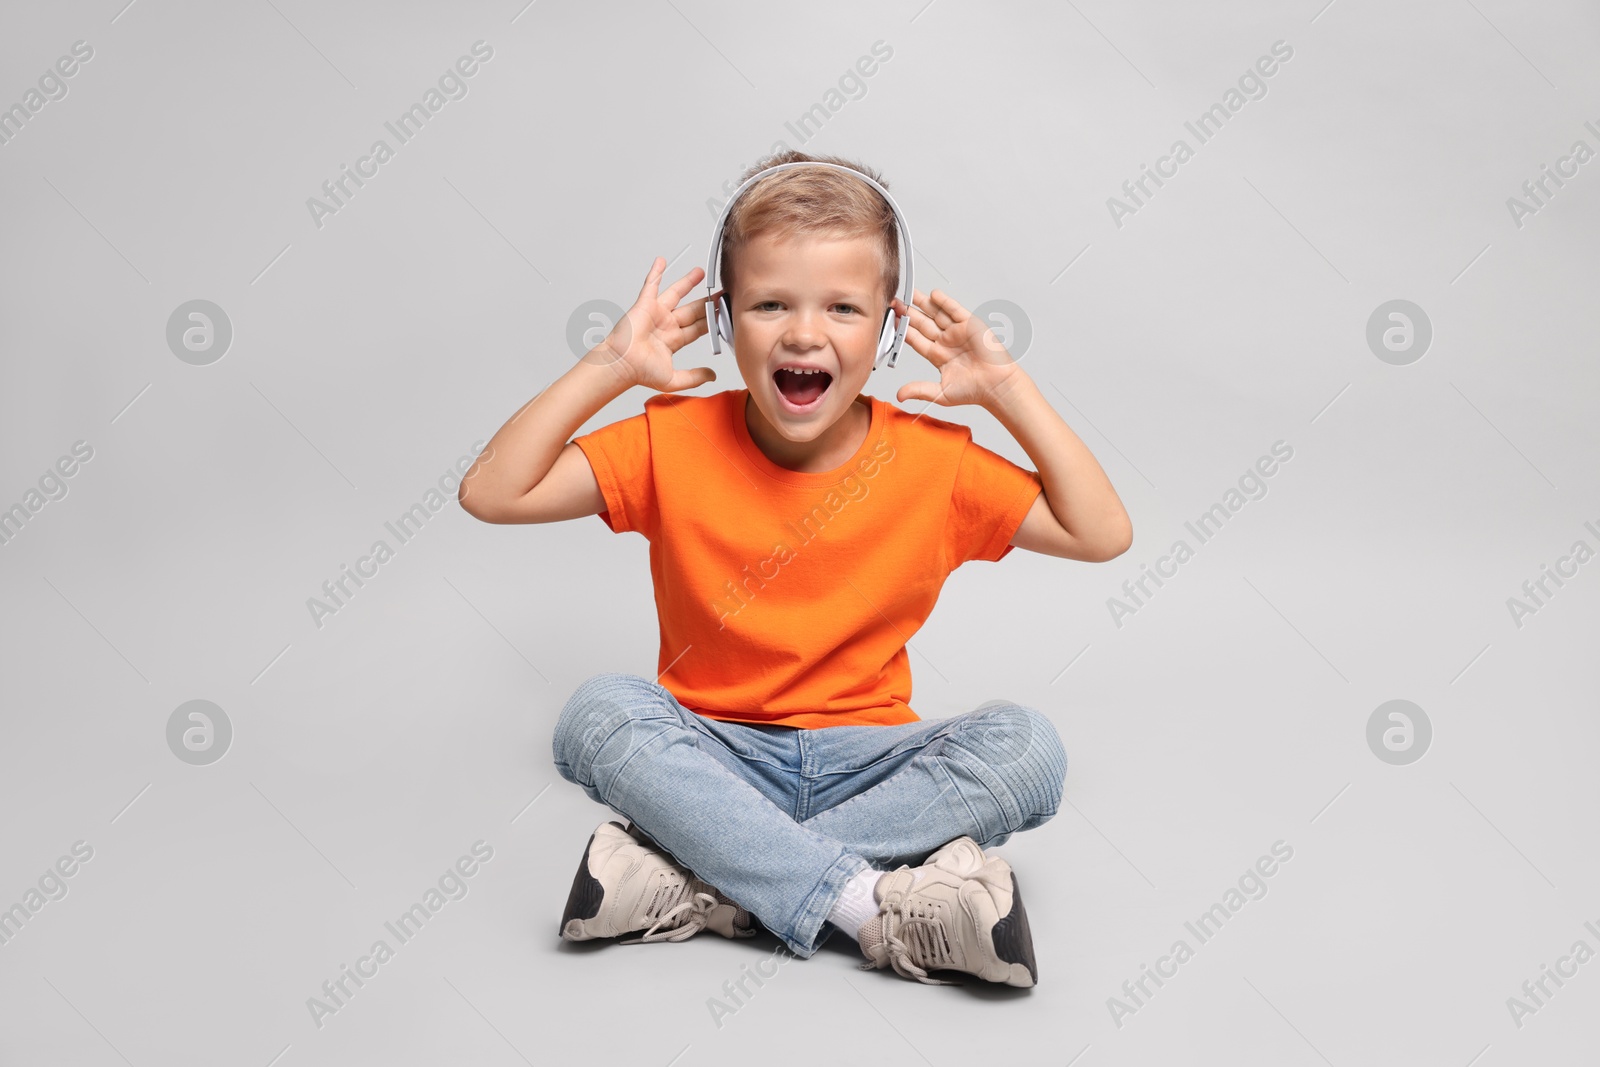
{"x": 964, "y": 914}
{"x": 626, "y": 883}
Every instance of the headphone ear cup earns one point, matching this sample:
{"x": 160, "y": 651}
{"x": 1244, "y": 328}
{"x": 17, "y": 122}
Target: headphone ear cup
{"x": 886, "y": 339}
{"x": 724, "y": 319}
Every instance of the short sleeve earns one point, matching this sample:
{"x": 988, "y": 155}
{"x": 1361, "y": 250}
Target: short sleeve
{"x": 991, "y": 497}
{"x": 619, "y": 455}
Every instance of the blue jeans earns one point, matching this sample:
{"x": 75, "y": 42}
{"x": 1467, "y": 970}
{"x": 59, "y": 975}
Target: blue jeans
{"x": 779, "y": 818}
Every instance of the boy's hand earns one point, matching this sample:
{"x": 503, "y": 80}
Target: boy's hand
{"x": 640, "y": 346}
{"x": 974, "y": 367}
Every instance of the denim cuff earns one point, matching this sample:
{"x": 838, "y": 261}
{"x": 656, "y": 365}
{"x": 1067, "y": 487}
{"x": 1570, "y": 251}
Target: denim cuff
{"x": 804, "y": 938}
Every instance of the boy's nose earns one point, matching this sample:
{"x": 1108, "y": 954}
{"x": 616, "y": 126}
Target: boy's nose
{"x": 802, "y": 330}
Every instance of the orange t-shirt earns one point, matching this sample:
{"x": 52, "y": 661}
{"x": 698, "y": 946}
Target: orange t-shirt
{"x": 784, "y": 597}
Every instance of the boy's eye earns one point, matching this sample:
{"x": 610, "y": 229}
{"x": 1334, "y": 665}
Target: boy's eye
{"x": 767, "y": 305}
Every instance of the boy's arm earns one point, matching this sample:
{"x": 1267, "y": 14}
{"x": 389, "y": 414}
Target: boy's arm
{"x": 531, "y": 471}
{"x": 1079, "y": 515}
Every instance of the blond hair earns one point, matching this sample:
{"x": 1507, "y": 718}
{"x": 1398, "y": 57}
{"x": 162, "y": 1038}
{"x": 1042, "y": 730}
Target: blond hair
{"x": 811, "y": 200}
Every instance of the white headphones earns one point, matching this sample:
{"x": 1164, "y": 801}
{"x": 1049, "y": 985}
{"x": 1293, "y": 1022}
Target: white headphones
{"x": 720, "y": 320}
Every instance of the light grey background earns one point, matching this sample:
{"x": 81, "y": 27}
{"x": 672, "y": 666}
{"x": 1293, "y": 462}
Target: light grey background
{"x": 369, "y": 354}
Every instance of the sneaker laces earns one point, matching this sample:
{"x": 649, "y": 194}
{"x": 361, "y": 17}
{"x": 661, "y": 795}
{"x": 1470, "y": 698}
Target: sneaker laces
{"x": 670, "y": 928}
{"x": 924, "y": 938}
{"x": 702, "y": 901}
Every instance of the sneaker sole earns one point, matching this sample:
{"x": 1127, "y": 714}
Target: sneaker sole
{"x": 583, "y": 902}
{"x": 1013, "y": 942}
{"x": 1011, "y": 938}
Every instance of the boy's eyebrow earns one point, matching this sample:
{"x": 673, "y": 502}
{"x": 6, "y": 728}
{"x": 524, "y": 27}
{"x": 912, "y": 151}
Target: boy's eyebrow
{"x": 778, "y": 290}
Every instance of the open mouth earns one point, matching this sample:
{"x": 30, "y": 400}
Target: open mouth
{"x": 802, "y": 391}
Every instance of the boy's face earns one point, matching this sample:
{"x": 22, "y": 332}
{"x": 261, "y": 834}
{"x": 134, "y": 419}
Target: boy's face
{"x": 805, "y": 300}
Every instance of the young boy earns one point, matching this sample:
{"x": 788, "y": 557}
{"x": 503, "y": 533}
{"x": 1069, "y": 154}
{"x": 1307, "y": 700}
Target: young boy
{"x": 800, "y": 531}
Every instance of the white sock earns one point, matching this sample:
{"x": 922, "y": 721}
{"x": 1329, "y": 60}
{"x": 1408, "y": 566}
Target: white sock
{"x": 856, "y": 904}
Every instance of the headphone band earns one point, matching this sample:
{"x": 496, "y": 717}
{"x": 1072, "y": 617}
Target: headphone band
{"x": 713, "y": 281}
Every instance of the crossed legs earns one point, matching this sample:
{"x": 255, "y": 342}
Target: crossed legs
{"x": 780, "y": 820}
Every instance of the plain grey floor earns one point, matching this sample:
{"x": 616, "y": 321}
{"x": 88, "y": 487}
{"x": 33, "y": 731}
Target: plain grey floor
{"x": 1224, "y": 313}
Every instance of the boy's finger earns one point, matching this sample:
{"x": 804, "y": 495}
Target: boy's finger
{"x": 683, "y": 285}
{"x": 690, "y": 314}
{"x": 926, "y": 348}
{"x": 921, "y": 321}
{"x": 926, "y": 305}
{"x": 683, "y": 314}
{"x": 940, "y": 312}
{"x": 652, "y": 281}
{"x": 949, "y": 304}
{"x": 689, "y": 379}
{"x": 684, "y": 335}
{"x": 928, "y": 391}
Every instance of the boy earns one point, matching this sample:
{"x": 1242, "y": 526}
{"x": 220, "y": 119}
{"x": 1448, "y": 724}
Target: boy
{"x": 799, "y": 533}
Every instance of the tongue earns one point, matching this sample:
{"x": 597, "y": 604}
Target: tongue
{"x": 802, "y": 389}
